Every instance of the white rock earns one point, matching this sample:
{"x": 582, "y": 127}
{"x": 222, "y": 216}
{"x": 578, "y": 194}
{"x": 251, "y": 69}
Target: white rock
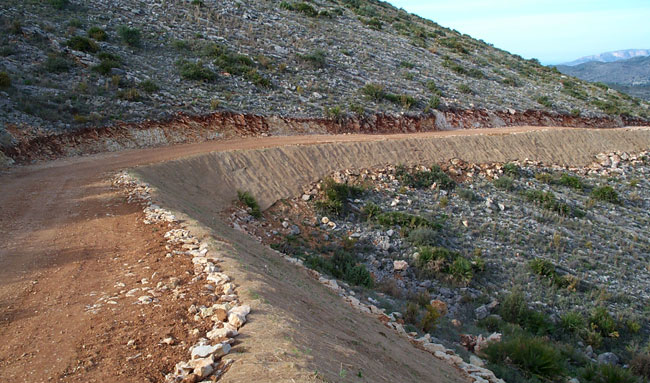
{"x": 400, "y": 265}
{"x": 220, "y": 333}
{"x": 145, "y": 299}
{"x": 325, "y": 220}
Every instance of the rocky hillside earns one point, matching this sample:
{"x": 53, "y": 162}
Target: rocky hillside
{"x": 631, "y": 76}
{"x": 69, "y": 64}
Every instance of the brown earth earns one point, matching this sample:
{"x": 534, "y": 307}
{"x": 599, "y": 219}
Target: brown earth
{"x": 29, "y": 145}
{"x": 67, "y": 238}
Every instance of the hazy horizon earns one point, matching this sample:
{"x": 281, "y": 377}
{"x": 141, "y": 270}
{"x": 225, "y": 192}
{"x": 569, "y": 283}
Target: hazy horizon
{"x": 553, "y": 32}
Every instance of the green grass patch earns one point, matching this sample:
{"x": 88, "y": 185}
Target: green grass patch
{"x": 247, "y": 199}
{"x": 424, "y": 179}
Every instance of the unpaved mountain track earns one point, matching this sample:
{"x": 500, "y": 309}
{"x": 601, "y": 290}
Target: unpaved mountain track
{"x": 66, "y": 238}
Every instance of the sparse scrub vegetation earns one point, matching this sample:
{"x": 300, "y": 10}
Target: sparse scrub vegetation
{"x": 316, "y": 58}
{"x": 606, "y": 194}
{"x": 247, "y": 199}
{"x": 83, "y": 44}
{"x": 5, "y": 80}
{"x": 424, "y": 179}
{"x": 98, "y": 34}
{"x": 545, "y": 101}
{"x": 130, "y": 36}
{"x": 336, "y": 195}
{"x": 195, "y": 71}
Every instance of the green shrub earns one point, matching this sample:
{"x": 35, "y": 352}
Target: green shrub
{"x": 511, "y": 170}
{"x": 129, "y": 36}
{"x": 423, "y": 236}
{"x": 547, "y": 178}
{"x": 411, "y": 313}
{"x": 605, "y": 193}
{"x": 424, "y": 179}
{"x": 406, "y": 64}
{"x": 59, "y": 4}
{"x": 606, "y": 373}
{"x": 56, "y": 63}
{"x": 545, "y": 101}
{"x": 461, "y": 270}
{"x": 467, "y": 195}
{"x": 434, "y": 102}
{"x": 333, "y": 113}
{"x": 149, "y": 86}
{"x": 514, "y": 309}
{"x": 464, "y": 88}
{"x": 430, "y": 318}
{"x": 195, "y": 71}
{"x": 547, "y": 201}
{"x": 247, "y": 199}
{"x": 504, "y": 182}
{"x": 571, "y": 181}
{"x": 83, "y": 44}
{"x": 373, "y": 23}
{"x": 573, "y": 322}
{"x": 542, "y": 267}
{"x": 371, "y": 211}
{"x": 601, "y": 321}
{"x": 5, "y": 80}
{"x": 431, "y": 85}
{"x": 428, "y": 254}
{"x": 315, "y": 58}
{"x": 404, "y": 220}
{"x": 640, "y": 365}
{"x": 359, "y": 275}
{"x": 341, "y": 265}
{"x": 105, "y": 66}
{"x": 97, "y": 33}
{"x": 374, "y": 92}
{"x": 535, "y": 357}
{"x": 336, "y": 196}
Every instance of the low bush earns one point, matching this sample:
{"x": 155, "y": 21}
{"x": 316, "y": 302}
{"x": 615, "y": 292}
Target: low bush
{"x": 130, "y": 36}
{"x": 605, "y": 193}
{"x": 464, "y": 88}
{"x": 548, "y": 201}
{"x": 514, "y": 309}
{"x": 5, "y": 80}
{"x": 195, "y": 71}
{"x": 83, "y": 44}
{"x": 467, "y": 195}
{"x": 430, "y": 319}
{"x": 247, "y": 199}
{"x": 640, "y": 365}
{"x": 371, "y": 211}
{"x": 571, "y": 181}
{"x": 533, "y": 356}
{"x": 601, "y": 321}
{"x": 341, "y": 265}
{"x": 573, "y": 322}
{"x": 336, "y": 195}
{"x": 56, "y": 63}
{"x": 59, "y": 4}
{"x": 511, "y": 170}
{"x": 149, "y": 86}
{"x": 545, "y": 101}
{"x": 423, "y": 236}
{"x": 130, "y": 94}
{"x": 105, "y": 66}
{"x": 97, "y": 33}
{"x": 504, "y": 182}
{"x": 424, "y": 179}
{"x": 315, "y": 58}
{"x": 404, "y": 220}
{"x": 606, "y": 373}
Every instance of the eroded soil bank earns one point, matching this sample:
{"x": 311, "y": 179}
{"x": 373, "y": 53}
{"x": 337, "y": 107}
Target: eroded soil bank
{"x": 24, "y": 145}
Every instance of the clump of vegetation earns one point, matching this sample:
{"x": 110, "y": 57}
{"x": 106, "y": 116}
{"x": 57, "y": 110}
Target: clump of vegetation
{"x": 107, "y": 64}
{"x": 59, "y": 4}
{"x": 247, "y": 199}
{"x": 601, "y": 321}
{"x": 504, "y": 182}
{"x": 464, "y": 88}
{"x": 439, "y": 260}
{"x": 605, "y": 193}
{"x": 130, "y": 36}
{"x": 423, "y": 236}
{"x": 56, "y": 63}
{"x": 606, "y": 373}
{"x": 149, "y": 86}
{"x": 430, "y": 319}
{"x": 533, "y": 356}
{"x": 130, "y": 94}
{"x": 300, "y": 7}
{"x": 511, "y": 170}
{"x": 195, "y": 71}
{"x": 424, "y": 179}
{"x": 5, "y": 80}
{"x": 404, "y": 220}
{"x": 467, "y": 195}
{"x": 377, "y": 93}
{"x": 514, "y": 309}
{"x": 373, "y": 23}
{"x": 548, "y": 201}
{"x": 546, "y": 269}
{"x": 573, "y": 322}
{"x": 341, "y": 265}
{"x": 315, "y": 58}
{"x": 336, "y": 195}
{"x": 640, "y": 365}
{"x": 374, "y": 92}
{"x": 545, "y": 101}
{"x": 83, "y": 44}
{"x": 334, "y": 113}
{"x": 97, "y": 33}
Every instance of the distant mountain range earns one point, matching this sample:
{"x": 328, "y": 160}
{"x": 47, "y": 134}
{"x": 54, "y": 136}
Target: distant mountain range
{"x": 631, "y": 76}
{"x": 610, "y": 56}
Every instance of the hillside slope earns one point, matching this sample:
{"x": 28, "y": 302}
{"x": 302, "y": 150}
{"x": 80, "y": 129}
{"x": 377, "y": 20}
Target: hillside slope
{"x": 611, "y": 56}
{"x": 632, "y": 76}
{"x": 70, "y": 64}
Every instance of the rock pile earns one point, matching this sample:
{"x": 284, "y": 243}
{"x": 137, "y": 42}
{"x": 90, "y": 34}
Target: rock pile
{"x": 227, "y": 315}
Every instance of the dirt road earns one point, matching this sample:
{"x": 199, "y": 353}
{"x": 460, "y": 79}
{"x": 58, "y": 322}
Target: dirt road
{"x": 66, "y": 237}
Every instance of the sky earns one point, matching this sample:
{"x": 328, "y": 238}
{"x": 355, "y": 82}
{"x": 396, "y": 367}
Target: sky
{"x": 553, "y": 31}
